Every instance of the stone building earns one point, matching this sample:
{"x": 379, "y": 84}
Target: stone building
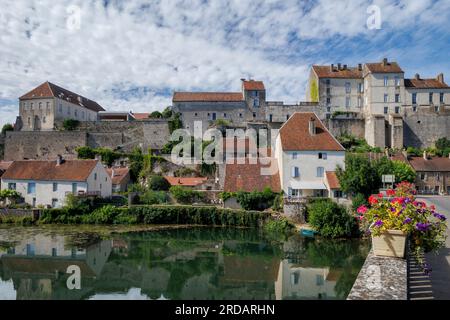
{"x": 235, "y": 108}
{"x": 381, "y": 94}
{"x": 45, "y": 105}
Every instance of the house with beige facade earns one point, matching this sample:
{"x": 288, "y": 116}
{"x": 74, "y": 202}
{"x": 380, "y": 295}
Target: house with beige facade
{"x": 47, "y": 183}
{"x": 307, "y": 156}
{"x": 44, "y": 106}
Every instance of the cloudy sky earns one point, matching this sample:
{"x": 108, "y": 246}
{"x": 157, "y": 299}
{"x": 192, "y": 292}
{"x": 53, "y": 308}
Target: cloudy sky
{"x": 131, "y": 55}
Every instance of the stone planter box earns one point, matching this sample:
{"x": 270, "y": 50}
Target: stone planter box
{"x": 391, "y": 243}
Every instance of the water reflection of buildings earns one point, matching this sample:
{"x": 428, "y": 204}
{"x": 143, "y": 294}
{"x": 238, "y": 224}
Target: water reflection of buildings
{"x": 38, "y": 267}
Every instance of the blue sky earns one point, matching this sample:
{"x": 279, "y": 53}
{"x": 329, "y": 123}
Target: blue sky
{"x": 130, "y": 55}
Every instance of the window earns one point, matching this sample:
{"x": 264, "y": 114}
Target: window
{"x": 240, "y": 115}
{"x": 74, "y": 188}
{"x": 360, "y": 87}
{"x": 95, "y": 176}
{"x": 359, "y": 102}
{"x": 397, "y": 97}
{"x": 430, "y": 97}
{"x": 328, "y": 91}
{"x": 386, "y": 97}
{"x": 31, "y": 188}
{"x": 287, "y": 117}
{"x": 44, "y": 119}
{"x": 54, "y": 203}
{"x": 386, "y": 110}
{"x": 195, "y": 114}
{"x": 294, "y": 155}
{"x": 295, "y": 172}
{"x": 436, "y": 108}
{"x": 320, "y": 171}
{"x": 441, "y": 97}
{"x": 224, "y": 115}
{"x": 397, "y": 109}
{"x": 327, "y": 81}
{"x": 328, "y": 100}
{"x": 338, "y": 194}
{"x": 414, "y": 98}
{"x": 348, "y": 87}
{"x": 54, "y": 252}
{"x": 255, "y": 94}
{"x": 29, "y": 121}
{"x": 323, "y": 155}
{"x": 295, "y": 277}
{"x": 294, "y": 192}
{"x": 386, "y": 79}
{"x": 319, "y": 280}
{"x": 11, "y": 186}
{"x": 30, "y": 249}
{"x": 48, "y": 105}
{"x": 423, "y": 176}
{"x": 328, "y": 109}
{"x": 55, "y": 186}
{"x": 270, "y": 117}
{"x": 347, "y": 102}
{"x": 414, "y": 108}
{"x": 397, "y": 81}
{"x": 254, "y": 114}
{"x": 31, "y": 106}
{"x": 256, "y": 102}
{"x": 76, "y": 113}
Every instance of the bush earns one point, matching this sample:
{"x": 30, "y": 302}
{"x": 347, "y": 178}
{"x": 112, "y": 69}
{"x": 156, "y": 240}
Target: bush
{"x": 153, "y": 197}
{"x": 331, "y": 220}
{"x": 70, "y": 124}
{"x": 185, "y": 195}
{"x": 256, "y": 200}
{"x": 7, "y": 127}
{"x": 278, "y": 226}
{"x": 158, "y": 183}
{"x": 358, "y": 200}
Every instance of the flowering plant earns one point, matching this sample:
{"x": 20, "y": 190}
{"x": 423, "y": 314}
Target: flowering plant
{"x": 401, "y": 211}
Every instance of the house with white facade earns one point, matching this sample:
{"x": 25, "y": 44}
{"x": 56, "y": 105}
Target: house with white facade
{"x": 307, "y": 156}
{"x": 47, "y": 183}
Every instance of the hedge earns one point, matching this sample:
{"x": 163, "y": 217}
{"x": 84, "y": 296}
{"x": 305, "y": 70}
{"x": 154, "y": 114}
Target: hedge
{"x": 157, "y": 214}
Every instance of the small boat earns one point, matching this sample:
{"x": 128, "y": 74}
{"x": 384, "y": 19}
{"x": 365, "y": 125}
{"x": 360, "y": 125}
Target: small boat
{"x": 308, "y": 232}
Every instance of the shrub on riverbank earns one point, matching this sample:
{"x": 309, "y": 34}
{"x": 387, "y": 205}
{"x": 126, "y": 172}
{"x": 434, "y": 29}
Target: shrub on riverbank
{"x": 331, "y": 220}
{"x": 157, "y": 215}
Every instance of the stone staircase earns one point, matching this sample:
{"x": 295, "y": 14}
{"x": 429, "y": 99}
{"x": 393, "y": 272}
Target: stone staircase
{"x": 419, "y": 283}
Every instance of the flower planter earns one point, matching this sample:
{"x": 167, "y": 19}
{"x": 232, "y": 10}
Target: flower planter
{"x": 391, "y": 243}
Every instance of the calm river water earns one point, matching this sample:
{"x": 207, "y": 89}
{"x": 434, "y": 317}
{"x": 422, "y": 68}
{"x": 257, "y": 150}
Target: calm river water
{"x": 184, "y": 263}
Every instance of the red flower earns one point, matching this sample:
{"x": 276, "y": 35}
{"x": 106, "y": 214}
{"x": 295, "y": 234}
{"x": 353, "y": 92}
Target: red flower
{"x": 380, "y": 195}
{"x": 432, "y": 207}
{"x": 373, "y": 200}
{"x": 390, "y": 192}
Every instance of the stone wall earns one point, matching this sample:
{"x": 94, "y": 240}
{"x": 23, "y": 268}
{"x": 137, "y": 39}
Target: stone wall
{"x": 295, "y": 210}
{"x": 124, "y": 135}
{"x": 340, "y": 126}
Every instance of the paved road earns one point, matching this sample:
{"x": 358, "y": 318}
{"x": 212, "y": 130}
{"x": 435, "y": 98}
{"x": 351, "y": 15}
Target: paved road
{"x": 440, "y": 276}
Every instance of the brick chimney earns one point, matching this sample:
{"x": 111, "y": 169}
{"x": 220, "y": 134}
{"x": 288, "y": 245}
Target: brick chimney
{"x": 360, "y": 66}
{"x": 344, "y": 67}
{"x": 440, "y": 77}
{"x": 417, "y": 76}
{"x": 312, "y": 126}
{"x": 332, "y": 67}
{"x": 385, "y": 61}
{"x": 339, "y": 66}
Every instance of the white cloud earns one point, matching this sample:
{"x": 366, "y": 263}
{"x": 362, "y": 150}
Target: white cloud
{"x": 189, "y": 45}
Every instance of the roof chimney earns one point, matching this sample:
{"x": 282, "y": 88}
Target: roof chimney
{"x": 332, "y": 67}
{"x": 59, "y": 160}
{"x": 385, "y": 61}
{"x": 345, "y": 67}
{"x": 417, "y": 76}
{"x": 312, "y": 126}
{"x": 425, "y": 155}
{"x": 440, "y": 77}
{"x": 339, "y": 66}
{"x": 360, "y": 66}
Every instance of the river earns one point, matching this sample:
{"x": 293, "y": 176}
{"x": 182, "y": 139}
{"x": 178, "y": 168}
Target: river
{"x": 60, "y": 262}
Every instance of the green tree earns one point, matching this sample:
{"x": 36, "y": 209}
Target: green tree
{"x": 359, "y": 175}
{"x": 136, "y": 163}
{"x": 70, "y": 124}
{"x": 7, "y": 127}
{"x": 85, "y": 152}
{"x": 175, "y": 123}
{"x": 156, "y": 114}
{"x": 153, "y": 197}
{"x": 403, "y": 171}
{"x": 167, "y": 113}
{"x": 158, "y": 183}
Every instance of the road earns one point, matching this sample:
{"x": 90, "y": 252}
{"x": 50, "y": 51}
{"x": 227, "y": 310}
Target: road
{"x": 440, "y": 276}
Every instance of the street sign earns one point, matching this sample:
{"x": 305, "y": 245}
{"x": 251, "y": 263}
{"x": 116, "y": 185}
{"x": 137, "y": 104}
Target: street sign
{"x": 388, "y": 178}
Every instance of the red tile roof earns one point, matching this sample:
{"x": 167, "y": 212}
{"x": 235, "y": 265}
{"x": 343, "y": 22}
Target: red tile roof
{"x": 207, "y": 97}
{"x": 325, "y": 72}
{"x": 4, "y": 165}
{"x": 253, "y": 85}
{"x": 49, "y": 90}
{"x": 425, "y": 84}
{"x": 247, "y": 177}
{"x": 186, "y": 181}
{"x": 120, "y": 173}
{"x": 332, "y": 179}
{"x": 69, "y": 170}
{"x": 295, "y": 135}
{"x": 380, "y": 67}
{"x": 431, "y": 164}
{"x": 141, "y": 116}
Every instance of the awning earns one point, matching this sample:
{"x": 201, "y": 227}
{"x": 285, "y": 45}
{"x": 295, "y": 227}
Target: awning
{"x": 307, "y": 185}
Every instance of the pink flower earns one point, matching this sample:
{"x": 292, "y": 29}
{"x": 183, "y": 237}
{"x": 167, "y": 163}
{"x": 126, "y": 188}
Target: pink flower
{"x": 380, "y": 195}
{"x": 362, "y": 209}
{"x": 390, "y": 192}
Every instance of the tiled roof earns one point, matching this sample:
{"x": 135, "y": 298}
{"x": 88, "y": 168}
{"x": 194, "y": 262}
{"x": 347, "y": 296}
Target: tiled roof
{"x": 325, "y": 72}
{"x": 425, "y": 84}
{"x": 207, "y": 97}
{"x": 186, "y": 181}
{"x": 4, "y": 165}
{"x": 247, "y": 177}
{"x": 253, "y": 85}
{"x": 431, "y": 164}
{"x": 380, "y": 67}
{"x": 68, "y": 170}
{"x": 332, "y": 179}
{"x": 141, "y": 116}
{"x": 120, "y": 173}
{"x": 48, "y": 90}
{"x": 295, "y": 135}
